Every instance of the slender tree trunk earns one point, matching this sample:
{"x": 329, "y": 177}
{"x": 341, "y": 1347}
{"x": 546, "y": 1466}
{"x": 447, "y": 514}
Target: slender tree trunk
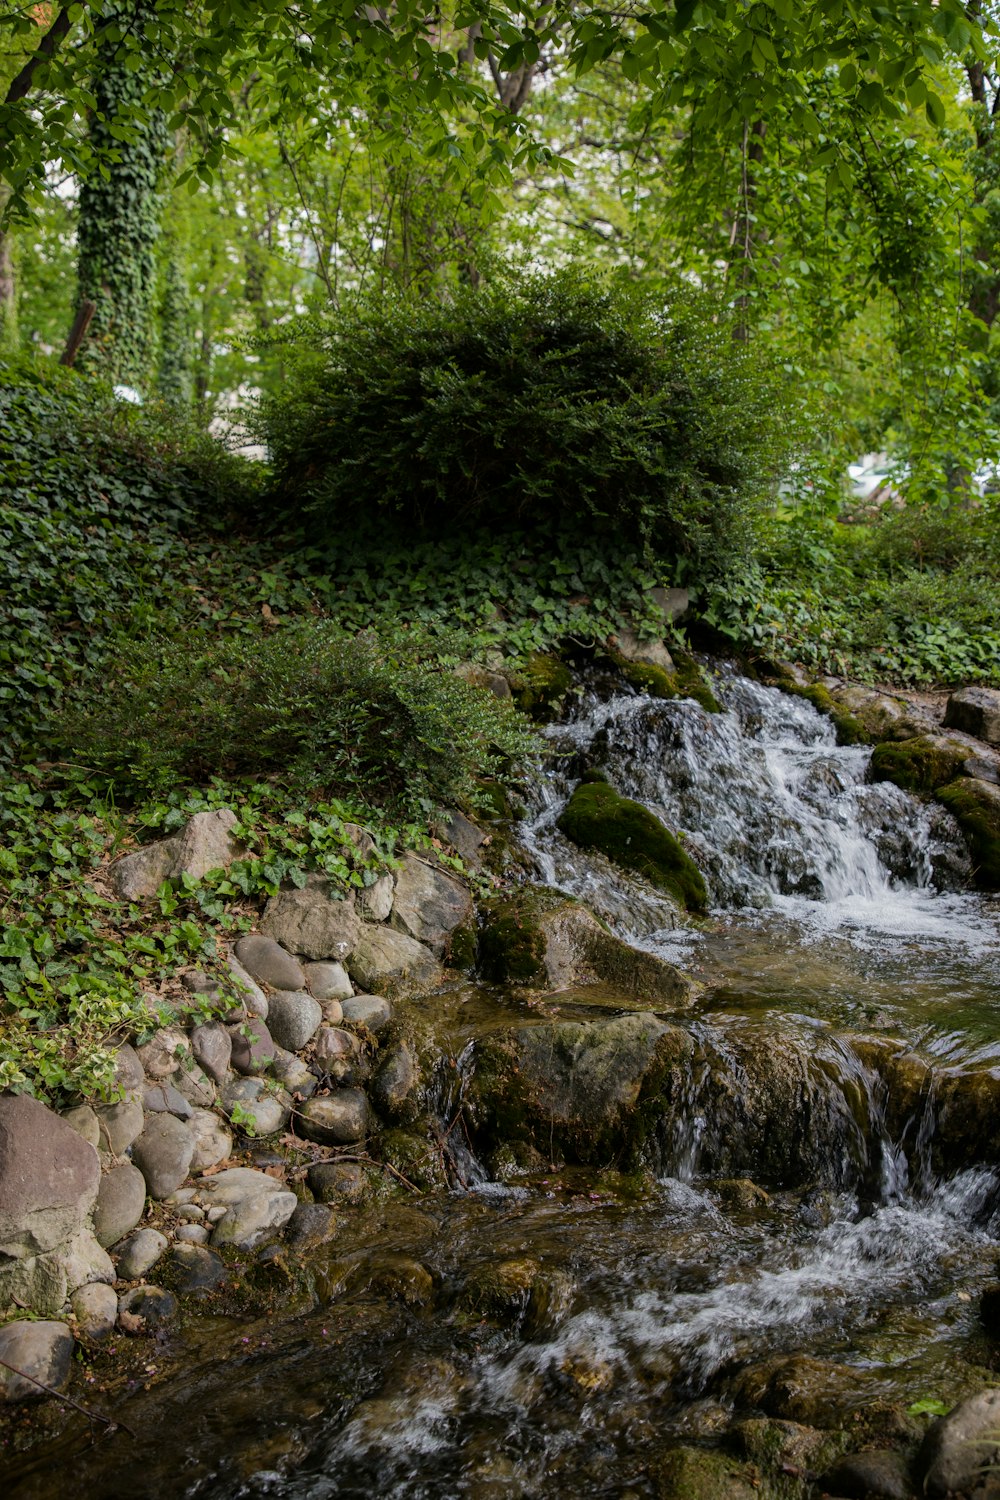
{"x": 8, "y": 286}
{"x": 119, "y": 221}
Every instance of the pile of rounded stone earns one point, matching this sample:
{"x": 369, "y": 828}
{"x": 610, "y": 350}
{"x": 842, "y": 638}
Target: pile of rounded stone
{"x": 308, "y": 1045}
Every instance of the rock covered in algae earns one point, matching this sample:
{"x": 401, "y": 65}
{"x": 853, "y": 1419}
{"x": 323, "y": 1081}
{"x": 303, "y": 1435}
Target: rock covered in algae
{"x": 590, "y": 1090}
{"x": 597, "y": 817}
{"x": 541, "y": 938}
{"x": 975, "y": 805}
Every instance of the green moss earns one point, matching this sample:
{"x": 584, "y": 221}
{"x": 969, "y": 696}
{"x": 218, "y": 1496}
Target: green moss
{"x": 850, "y": 731}
{"x": 512, "y": 945}
{"x": 596, "y": 817}
{"x": 701, "y": 1474}
{"x": 686, "y": 680}
{"x": 976, "y": 807}
{"x": 922, "y": 764}
{"x": 541, "y": 685}
{"x": 460, "y": 952}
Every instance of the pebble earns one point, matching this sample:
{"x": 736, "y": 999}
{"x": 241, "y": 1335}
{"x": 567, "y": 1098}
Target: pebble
{"x": 140, "y": 1253}
{"x": 192, "y": 1234}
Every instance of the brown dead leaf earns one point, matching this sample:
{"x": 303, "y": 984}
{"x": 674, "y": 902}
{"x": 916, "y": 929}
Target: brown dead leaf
{"x": 131, "y": 1322}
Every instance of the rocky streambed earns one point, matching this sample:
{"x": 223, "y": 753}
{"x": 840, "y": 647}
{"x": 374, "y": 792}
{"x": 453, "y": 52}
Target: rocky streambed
{"x": 585, "y": 1194}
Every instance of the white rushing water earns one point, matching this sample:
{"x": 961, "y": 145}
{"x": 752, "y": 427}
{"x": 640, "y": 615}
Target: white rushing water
{"x": 778, "y": 817}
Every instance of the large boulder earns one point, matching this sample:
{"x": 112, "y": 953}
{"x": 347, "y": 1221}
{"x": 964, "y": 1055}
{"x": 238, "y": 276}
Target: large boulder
{"x": 976, "y": 710}
{"x": 312, "y": 922}
{"x": 206, "y": 843}
{"x": 429, "y": 904}
{"x": 590, "y": 1091}
{"x": 975, "y": 804}
{"x": 545, "y": 940}
{"x": 388, "y": 962}
{"x": 49, "y": 1177}
{"x": 37, "y": 1359}
{"x": 596, "y": 817}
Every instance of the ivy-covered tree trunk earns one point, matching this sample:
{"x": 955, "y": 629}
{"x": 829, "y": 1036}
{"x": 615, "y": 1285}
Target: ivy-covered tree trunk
{"x": 8, "y": 287}
{"x": 174, "y": 379}
{"x": 120, "y": 209}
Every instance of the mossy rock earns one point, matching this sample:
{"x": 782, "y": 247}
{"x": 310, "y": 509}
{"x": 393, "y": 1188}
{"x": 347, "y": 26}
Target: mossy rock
{"x": 687, "y": 680}
{"x": 591, "y": 1092}
{"x": 596, "y": 817}
{"x": 541, "y": 685}
{"x": 545, "y": 940}
{"x": 850, "y": 730}
{"x": 922, "y": 764}
{"x": 516, "y": 1292}
{"x": 704, "y": 1474}
{"x": 976, "y": 807}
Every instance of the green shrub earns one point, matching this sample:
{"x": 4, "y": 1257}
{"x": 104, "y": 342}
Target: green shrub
{"x": 306, "y": 705}
{"x": 95, "y": 498}
{"x": 540, "y": 403}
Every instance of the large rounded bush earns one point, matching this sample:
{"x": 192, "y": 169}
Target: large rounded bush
{"x": 545, "y": 403}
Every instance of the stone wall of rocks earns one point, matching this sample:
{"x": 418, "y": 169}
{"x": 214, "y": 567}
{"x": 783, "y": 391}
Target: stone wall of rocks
{"x": 95, "y": 1202}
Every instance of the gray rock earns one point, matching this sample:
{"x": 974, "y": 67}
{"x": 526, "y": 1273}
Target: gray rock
{"x": 875, "y": 1474}
{"x": 364, "y": 844}
{"x": 338, "y": 1181}
{"x": 128, "y": 1069}
{"x": 197, "y": 1269}
{"x": 163, "y": 1098}
{"x": 263, "y": 1108}
{"x": 429, "y": 904}
{"x": 957, "y": 1446}
{"x": 119, "y": 1124}
{"x": 311, "y": 1225}
{"x": 140, "y": 1253}
{"x": 163, "y": 1053}
{"x": 95, "y": 1308}
{"x": 42, "y": 1353}
{"x": 673, "y": 604}
{"x": 194, "y": 1086}
{"x": 332, "y": 1043}
{"x": 212, "y": 1047}
{"x": 648, "y": 653}
{"x": 268, "y": 962}
{"x": 389, "y": 962}
{"x": 163, "y": 1154}
{"x": 327, "y": 982}
{"x": 292, "y": 1018}
{"x": 121, "y": 1200}
{"x": 212, "y": 1141}
{"x": 256, "y": 1206}
{"x": 43, "y": 1282}
{"x": 84, "y": 1122}
{"x": 465, "y": 838}
{"x": 337, "y": 1119}
{"x": 252, "y": 1046}
{"x": 190, "y": 1210}
{"x": 293, "y": 1074}
{"x": 150, "y": 1303}
{"x": 49, "y": 1176}
{"x": 373, "y": 1012}
{"x": 192, "y": 1234}
{"x": 395, "y": 1088}
{"x": 976, "y": 710}
{"x": 207, "y": 843}
{"x": 312, "y": 922}
{"x": 253, "y": 1001}
{"x": 375, "y": 901}
{"x": 333, "y": 1011}
{"x": 197, "y": 982}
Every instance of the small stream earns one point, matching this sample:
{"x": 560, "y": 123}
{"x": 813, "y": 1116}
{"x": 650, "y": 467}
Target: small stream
{"x": 842, "y": 931}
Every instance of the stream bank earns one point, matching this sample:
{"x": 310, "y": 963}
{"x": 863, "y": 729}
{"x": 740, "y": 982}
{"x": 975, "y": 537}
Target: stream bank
{"x": 710, "y": 1172}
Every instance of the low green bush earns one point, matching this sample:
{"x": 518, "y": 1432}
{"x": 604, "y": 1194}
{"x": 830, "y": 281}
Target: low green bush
{"x": 307, "y": 706}
{"x": 547, "y": 402}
